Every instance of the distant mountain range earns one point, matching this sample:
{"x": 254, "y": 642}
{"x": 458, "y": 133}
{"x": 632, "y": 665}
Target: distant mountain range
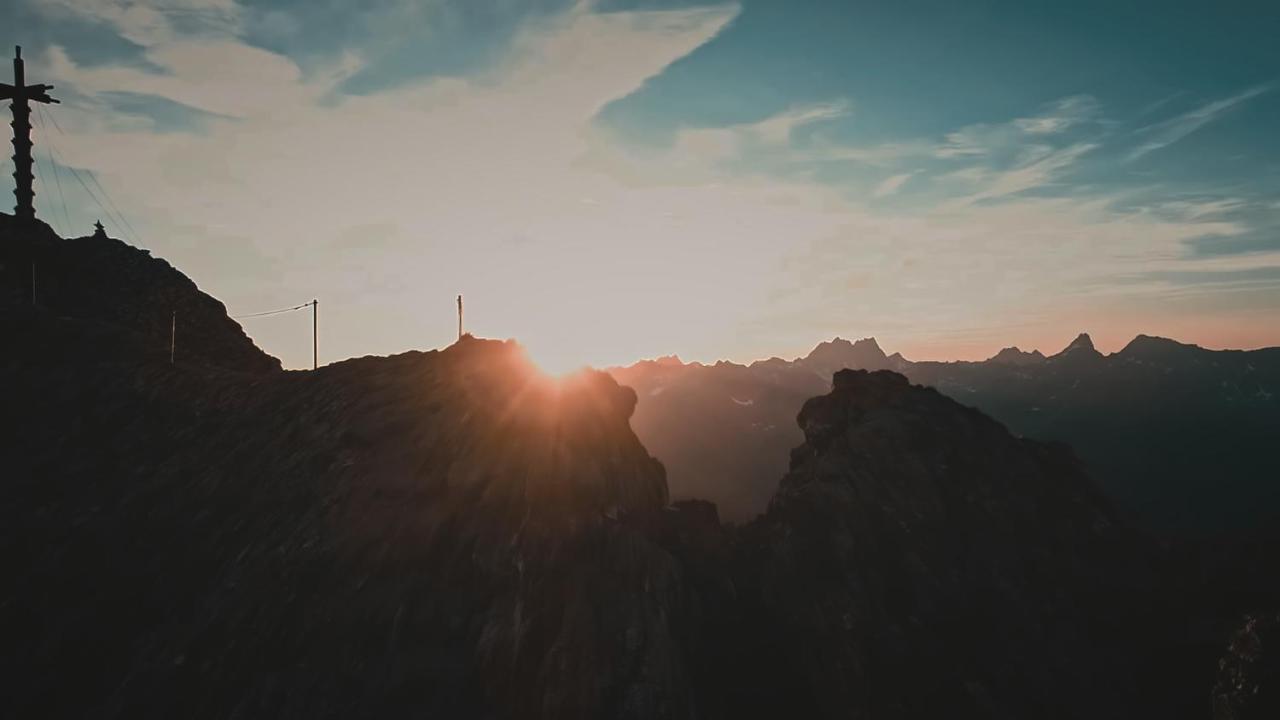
{"x": 1183, "y": 437}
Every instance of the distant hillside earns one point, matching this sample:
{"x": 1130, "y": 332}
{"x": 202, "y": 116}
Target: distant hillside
{"x": 1180, "y": 435}
{"x": 106, "y": 280}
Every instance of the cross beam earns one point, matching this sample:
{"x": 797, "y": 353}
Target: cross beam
{"x": 22, "y": 95}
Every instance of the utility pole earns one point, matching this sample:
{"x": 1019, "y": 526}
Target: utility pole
{"x": 173, "y": 335}
{"x": 459, "y": 317}
{"x": 315, "y": 341}
{"x": 21, "y": 94}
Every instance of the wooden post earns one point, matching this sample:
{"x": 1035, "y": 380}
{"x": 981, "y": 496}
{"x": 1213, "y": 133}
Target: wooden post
{"x": 173, "y": 335}
{"x": 315, "y": 342}
{"x": 459, "y": 317}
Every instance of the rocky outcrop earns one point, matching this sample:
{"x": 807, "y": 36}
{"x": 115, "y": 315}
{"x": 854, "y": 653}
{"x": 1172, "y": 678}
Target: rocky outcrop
{"x": 103, "y": 279}
{"x": 923, "y": 562}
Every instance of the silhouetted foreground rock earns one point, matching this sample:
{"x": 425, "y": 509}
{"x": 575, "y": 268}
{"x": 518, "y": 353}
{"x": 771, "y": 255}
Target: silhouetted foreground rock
{"x": 450, "y": 534}
{"x": 105, "y": 279}
{"x": 431, "y": 534}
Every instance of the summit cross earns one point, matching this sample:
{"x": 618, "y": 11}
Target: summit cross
{"x": 22, "y": 95}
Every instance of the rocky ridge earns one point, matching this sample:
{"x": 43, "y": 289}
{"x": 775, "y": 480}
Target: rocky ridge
{"x": 452, "y": 534}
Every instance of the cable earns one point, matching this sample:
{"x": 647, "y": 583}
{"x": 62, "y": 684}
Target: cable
{"x": 94, "y": 177}
{"x": 57, "y": 176}
{"x": 89, "y": 191}
{"x": 272, "y": 312}
{"x": 108, "y": 206}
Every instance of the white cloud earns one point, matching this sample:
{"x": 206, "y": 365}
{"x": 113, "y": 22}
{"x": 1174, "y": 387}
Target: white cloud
{"x": 1059, "y": 116}
{"x": 1192, "y": 210}
{"x": 1170, "y": 131}
{"x": 776, "y": 130}
{"x": 891, "y": 185}
{"x": 1039, "y": 168}
{"x": 987, "y": 139}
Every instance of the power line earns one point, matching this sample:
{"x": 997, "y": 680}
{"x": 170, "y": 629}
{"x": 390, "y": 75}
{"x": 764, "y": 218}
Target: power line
{"x": 272, "y": 312}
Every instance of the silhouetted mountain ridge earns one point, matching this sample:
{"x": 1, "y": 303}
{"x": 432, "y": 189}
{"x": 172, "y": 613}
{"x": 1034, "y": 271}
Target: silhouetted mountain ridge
{"x": 1177, "y": 433}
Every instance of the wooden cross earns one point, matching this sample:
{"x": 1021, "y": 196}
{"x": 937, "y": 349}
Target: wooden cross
{"x": 22, "y": 94}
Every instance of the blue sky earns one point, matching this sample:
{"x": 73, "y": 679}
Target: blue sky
{"x": 615, "y": 179}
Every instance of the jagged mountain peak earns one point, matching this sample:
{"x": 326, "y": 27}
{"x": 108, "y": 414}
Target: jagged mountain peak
{"x": 837, "y": 353}
{"x": 1082, "y": 342}
{"x": 1014, "y": 355}
{"x": 1081, "y": 347}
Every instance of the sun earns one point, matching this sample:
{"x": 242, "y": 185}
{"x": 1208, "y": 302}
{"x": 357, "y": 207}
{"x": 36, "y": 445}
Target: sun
{"x": 554, "y": 359}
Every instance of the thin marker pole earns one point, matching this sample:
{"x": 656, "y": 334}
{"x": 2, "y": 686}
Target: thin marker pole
{"x": 315, "y": 342}
{"x": 459, "y": 317}
{"x": 173, "y": 335}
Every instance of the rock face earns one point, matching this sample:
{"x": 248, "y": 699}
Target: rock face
{"x": 925, "y": 563}
{"x": 106, "y": 280}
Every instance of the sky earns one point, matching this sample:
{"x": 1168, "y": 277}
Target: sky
{"x": 619, "y": 179}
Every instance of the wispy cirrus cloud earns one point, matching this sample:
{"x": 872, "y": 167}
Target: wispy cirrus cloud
{"x": 1042, "y": 167}
{"x": 153, "y": 22}
{"x": 1170, "y": 131}
{"x": 777, "y": 129}
{"x": 892, "y": 184}
{"x": 989, "y": 138}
